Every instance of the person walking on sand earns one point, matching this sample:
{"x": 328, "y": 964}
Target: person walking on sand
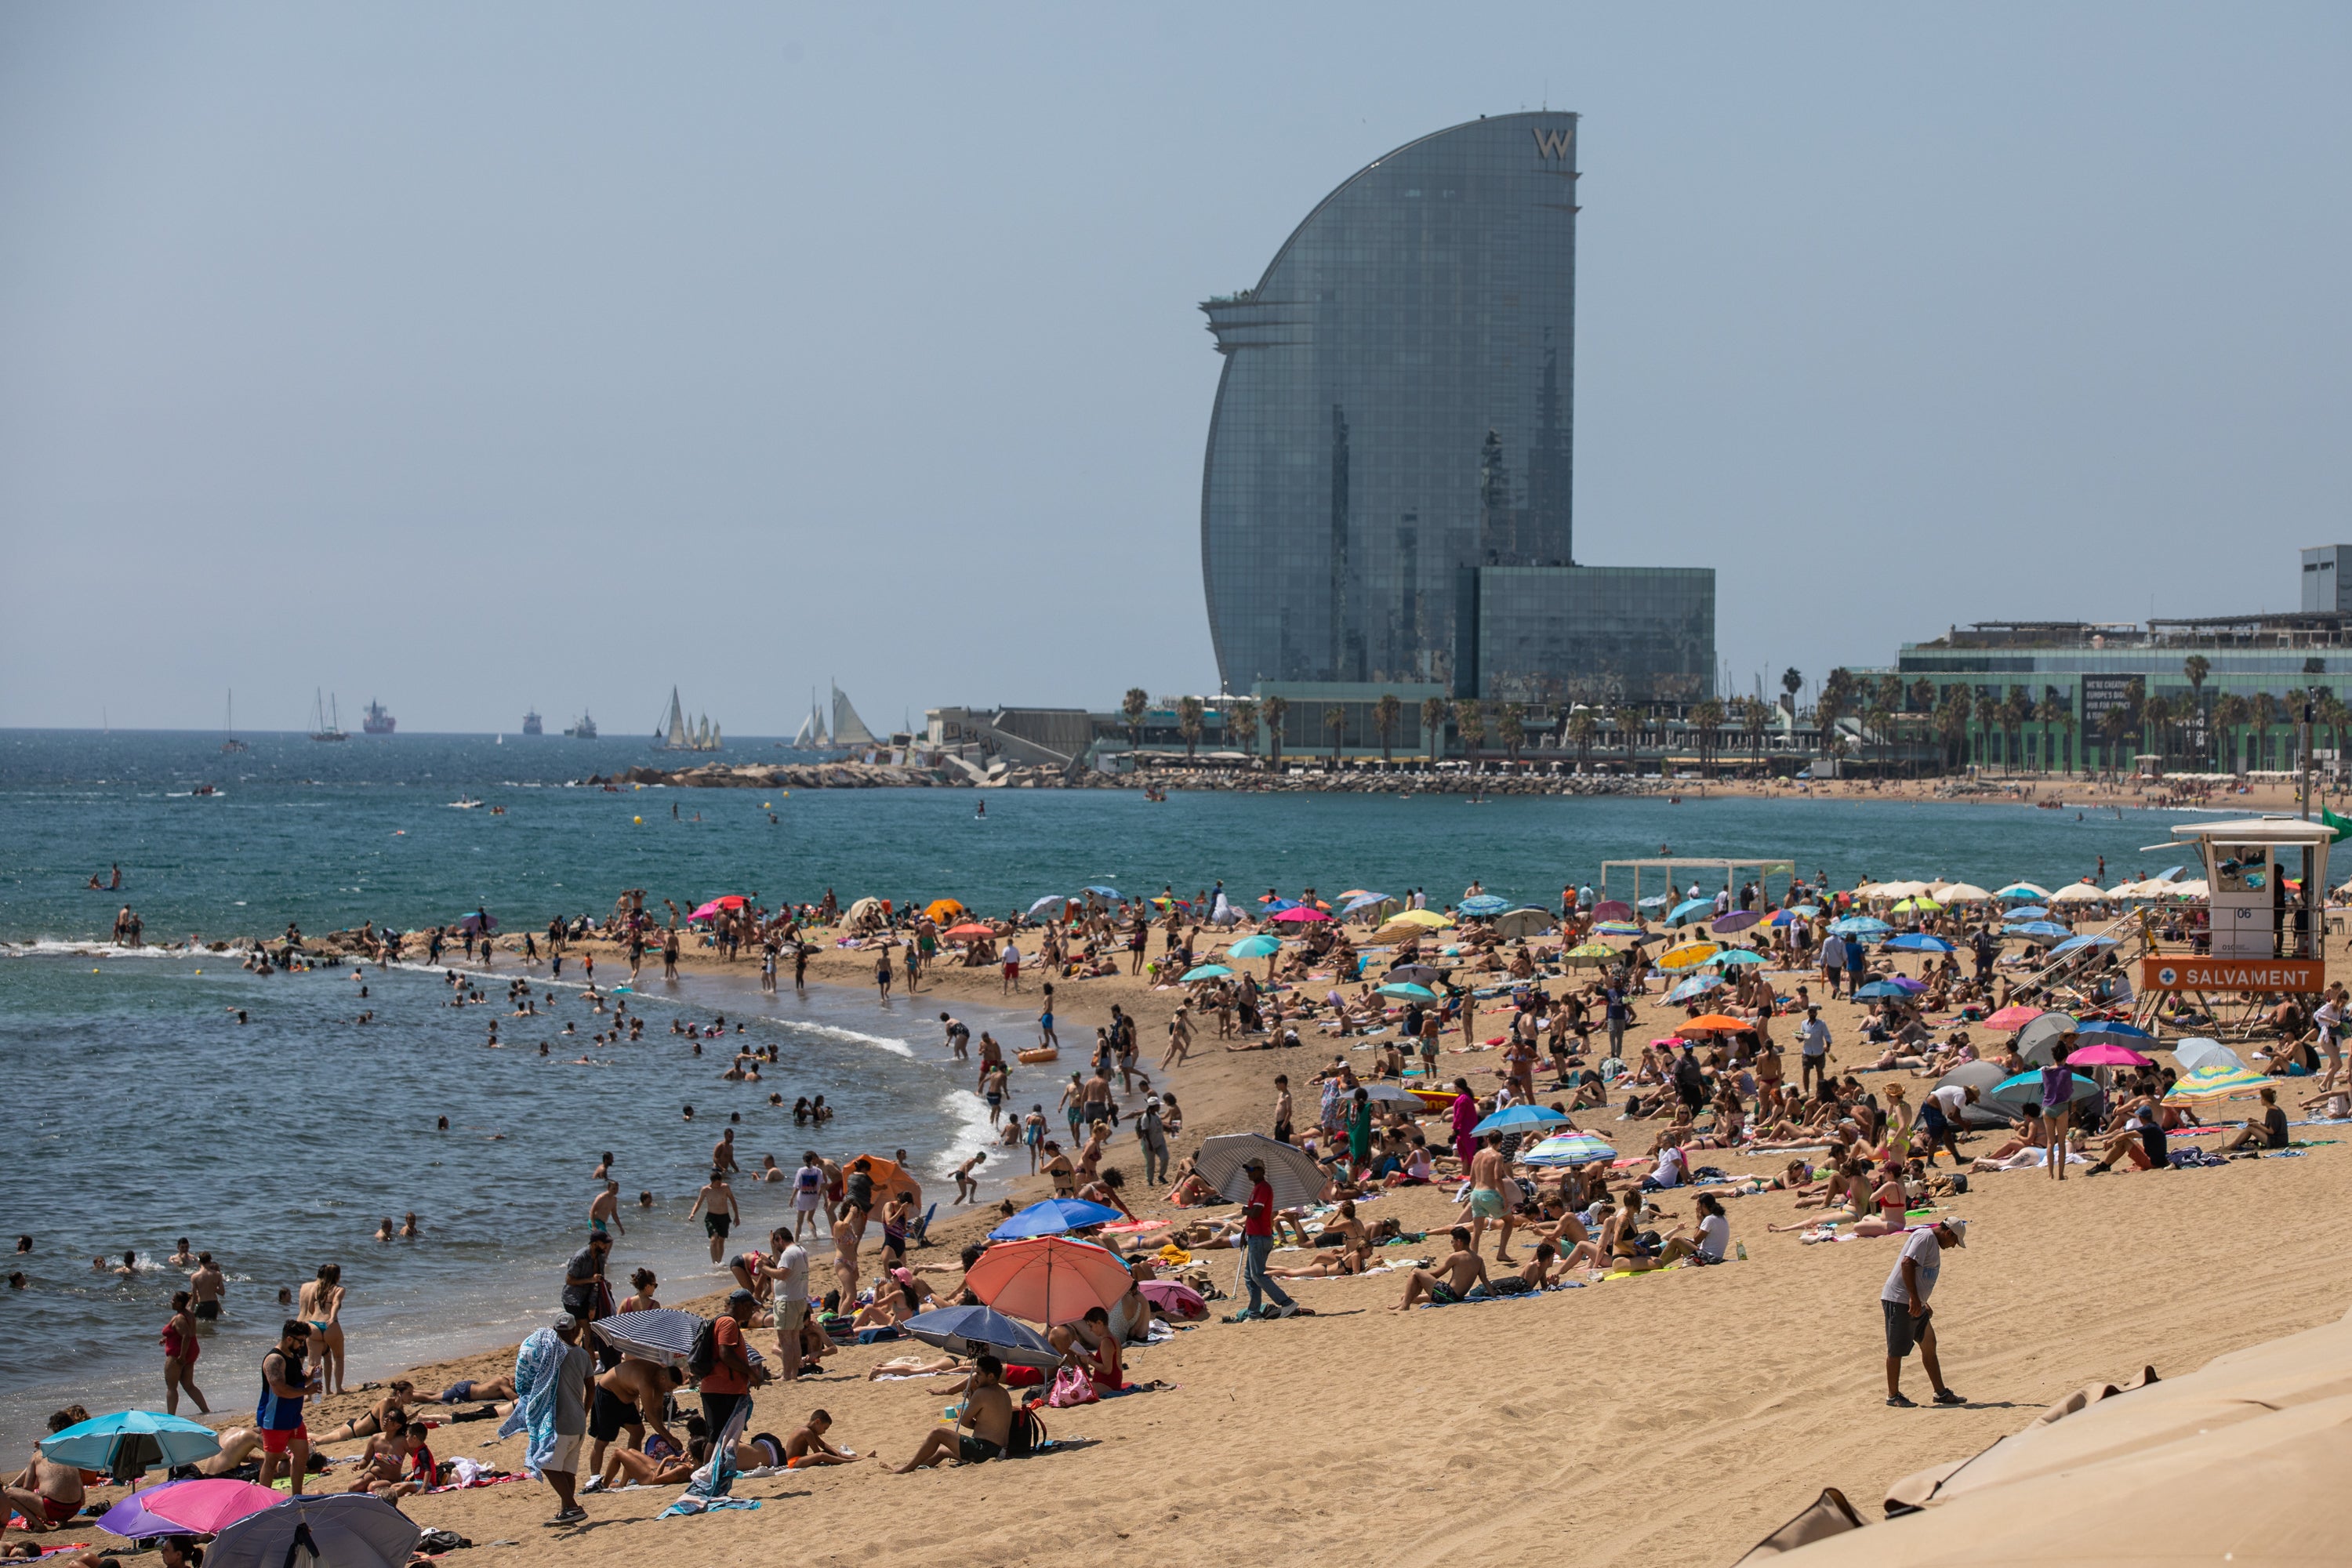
{"x": 1902, "y": 1301}
{"x": 1267, "y": 1298}
{"x": 285, "y": 1385}
{"x": 2057, "y": 1102}
{"x": 882, "y": 975}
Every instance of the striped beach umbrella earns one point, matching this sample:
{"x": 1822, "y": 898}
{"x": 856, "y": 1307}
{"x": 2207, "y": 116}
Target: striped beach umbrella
{"x": 1568, "y": 1149}
{"x": 2215, "y": 1080}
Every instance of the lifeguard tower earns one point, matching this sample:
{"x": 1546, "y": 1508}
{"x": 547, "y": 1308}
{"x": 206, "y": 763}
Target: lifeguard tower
{"x": 2267, "y": 894}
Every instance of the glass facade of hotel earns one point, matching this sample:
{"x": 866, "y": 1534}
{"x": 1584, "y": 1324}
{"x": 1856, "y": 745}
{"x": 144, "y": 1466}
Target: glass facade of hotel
{"x": 1600, "y": 635}
{"x": 1395, "y": 408}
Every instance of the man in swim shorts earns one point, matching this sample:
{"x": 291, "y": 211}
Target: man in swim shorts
{"x": 46, "y": 1493}
{"x": 206, "y": 1285}
{"x": 284, "y": 1383}
{"x": 987, "y": 1410}
{"x": 716, "y": 1204}
{"x": 1452, "y": 1281}
{"x": 1487, "y": 1179}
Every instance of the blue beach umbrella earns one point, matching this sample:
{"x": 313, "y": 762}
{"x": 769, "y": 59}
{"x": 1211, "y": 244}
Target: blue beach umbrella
{"x": 1860, "y": 925}
{"x": 2029, "y": 912}
{"x": 2023, "y": 891}
{"x": 1878, "y": 989}
{"x": 1258, "y": 946}
{"x": 1690, "y": 910}
{"x": 1735, "y": 957}
{"x": 1696, "y": 986}
{"x": 1917, "y": 942}
{"x": 2080, "y": 945}
{"x": 130, "y": 1441}
{"x": 1047, "y": 903}
{"x": 2025, "y": 1089}
{"x": 1482, "y": 904}
{"x": 1407, "y": 988}
{"x": 1054, "y": 1217}
{"x": 1206, "y": 971}
{"x": 1101, "y": 890}
{"x": 983, "y": 1331}
{"x": 1369, "y": 900}
{"x": 2038, "y": 931}
{"x": 1520, "y": 1116}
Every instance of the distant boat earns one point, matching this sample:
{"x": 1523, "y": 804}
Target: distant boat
{"x": 376, "y": 721}
{"x": 231, "y": 743}
{"x": 531, "y": 724}
{"x": 584, "y": 730}
{"x": 325, "y": 723}
{"x": 848, "y": 728}
{"x": 811, "y": 736}
{"x": 675, "y": 734}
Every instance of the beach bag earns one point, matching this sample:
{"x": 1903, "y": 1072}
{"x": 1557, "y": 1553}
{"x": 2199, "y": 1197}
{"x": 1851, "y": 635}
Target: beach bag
{"x": 705, "y": 1354}
{"x": 1027, "y": 1434}
{"x": 1072, "y": 1386}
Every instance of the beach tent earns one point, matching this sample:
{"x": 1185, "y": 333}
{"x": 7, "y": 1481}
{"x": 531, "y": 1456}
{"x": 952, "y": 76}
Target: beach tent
{"x": 863, "y": 907}
{"x": 328, "y": 1529}
{"x": 2240, "y": 1461}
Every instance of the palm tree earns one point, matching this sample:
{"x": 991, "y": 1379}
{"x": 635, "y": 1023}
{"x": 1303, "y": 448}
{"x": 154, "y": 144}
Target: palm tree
{"x": 1708, "y": 719}
{"x": 1791, "y": 681}
{"x": 2197, "y": 666}
{"x": 1878, "y": 717}
{"x": 2015, "y": 710}
{"x": 1191, "y": 712}
{"x": 1836, "y": 701}
{"x": 2114, "y": 725}
{"x": 2334, "y": 715}
{"x": 1432, "y": 726}
{"x": 1134, "y": 706}
{"x": 1952, "y": 723}
{"x": 2048, "y": 713}
{"x": 2229, "y": 712}
{"x": 1277, "y": 709}
{"x": 1335, "y": 719}
{"x": 1511, "y": 730}
{"x": 1470, "y": 724}
{"x": 1987, "y": 716}
{"x": 1582, "y": 729}
{"x": 2266, "y": 713}
{"x": 2066, "y": 729}
{"x": 1241, "y": 722}
{"x": 2158, "y": 714}
{"x": 1629, "y": 733}
{"x": 1385, "y": 714}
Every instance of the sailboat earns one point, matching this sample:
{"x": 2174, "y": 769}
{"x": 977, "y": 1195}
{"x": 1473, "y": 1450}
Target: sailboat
{"x": 326, "y": 721}
{"x": 848, "y": 728}
{"x": 231, "y": 743}
{"x": 811, "y": 736}
{"x": 675, "y": 734}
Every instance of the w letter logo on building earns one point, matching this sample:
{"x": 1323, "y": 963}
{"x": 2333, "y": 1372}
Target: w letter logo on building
{"x": 1555, "y": 143}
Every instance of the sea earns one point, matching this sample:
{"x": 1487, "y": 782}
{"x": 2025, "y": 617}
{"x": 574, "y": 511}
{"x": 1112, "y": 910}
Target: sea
{"x": 164, "y": 1094}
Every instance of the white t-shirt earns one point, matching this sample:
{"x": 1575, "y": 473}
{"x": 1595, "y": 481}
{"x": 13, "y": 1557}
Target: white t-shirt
{"x": 1953, "y": 1098}
{"x": 1713, "y": 1236}
{"x": 1925, "y": 1250}
{"x": 1669, "y": 1172}
{"x": 1814, "y": 1035}
{"x": 792, "y": 1283}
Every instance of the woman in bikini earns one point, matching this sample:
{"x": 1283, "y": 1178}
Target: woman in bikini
{"x": 321, "y": 1305}
{"x": 180, "y": 1348}
{"x": 376, "y": 1418}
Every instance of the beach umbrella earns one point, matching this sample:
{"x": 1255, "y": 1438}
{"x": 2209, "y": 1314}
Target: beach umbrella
{"x": 317, "y": 1529}
{"x": 1917, "y": 942}
{"x": 943, "y": 909}
{"x": 1048, "y": 1279}
{"x": 1906, "y": 983}
{"x": 1899, "y": 889}
{"x": 2124, "y": 1035}
{"x": 1054, "y": 1217}
{"x": 1965, "y": 893}
{"x": 1291, "y": 1172}
{"x": 1690, "y": 910}
{"x": 1882, "y": 989}
{"x": 1657, "y": 900}
{"x": 1430, "y": 919}
{"x": 129, "y": 1441}
{"x": 2023, "y": 891}
{"x": 968, "y": 932}
{"x": 2080, "y": 945}
{"x": 1708, "y": 1021}
{"x": 1566, "y": 1148}
{"x": 983, "y": 1331}
{"x": 2038, "y": 1040}
{"x": 1407, "y": 988}
{"x": 1099, "y": 890}
{"x": 1482, "y": 904}
{"x": 1258, "y": 946}
{"x": 707, "y": 911}
{"x": 1416, "y": 973}
{"x": 1175, "y": 1299}
{"x": 1514, "y": 1116}
{"x": 1737, "y": 957}
{"x": 1299, "y": 914}
{"x": 2194, "y": 1053}
{"x": 2214, "y": 1081}
{"x": 2106, "y": 1054}
{"x": 1613, "y": 910}
{"x": 661, "y": 1335}
{"x": 1738, "y": 920}
{"x": 1391, "y": 1094}
{"x": 1860, "y": 925}
{"x": 1695, "y": 987}
{"x": 1275, "y": 906}
{"x": 2079, "y": 893}
{"x": 1619, "y": 927}
{"x": 1049, "y": 901}
{"x": 1589, "y": 954}
{"x": 1364, "y": 901}
{"x": 1799, "y": 911}
{"x": 1206, "y": 971}
{"x": 1919, "y": 904}
{"x": 2025, "y": 1089}
{"x": 200, "y": 1505}
{"x": 477, "y": 923}
{"x": 2044, "y": 932}
{"x": 1689, "y": 955}
{"x": 2024, "y": 913}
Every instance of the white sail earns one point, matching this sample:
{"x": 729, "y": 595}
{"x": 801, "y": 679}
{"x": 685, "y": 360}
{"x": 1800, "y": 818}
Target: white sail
{"x": 848, "y": 728}
{"x": 675, "y": 729}
{"x": 805, "y": 736}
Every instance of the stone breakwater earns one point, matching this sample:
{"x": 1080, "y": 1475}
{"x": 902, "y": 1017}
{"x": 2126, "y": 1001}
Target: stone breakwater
{"x": 950, "y": 775}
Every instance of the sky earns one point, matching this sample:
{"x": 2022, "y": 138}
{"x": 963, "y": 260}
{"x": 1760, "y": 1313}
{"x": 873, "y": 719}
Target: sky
{"x": 474, "y": 358}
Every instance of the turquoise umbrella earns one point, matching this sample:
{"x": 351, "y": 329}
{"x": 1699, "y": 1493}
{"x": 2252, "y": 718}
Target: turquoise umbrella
{"x": 129, "y": 1441}
{"x": 1407, "y": 988}
{"x": 1254, "y": 947}
{"x": 1733, "y": 957}
{"x": 1206, "y": 971}
{"x": 1520, "y": 1116}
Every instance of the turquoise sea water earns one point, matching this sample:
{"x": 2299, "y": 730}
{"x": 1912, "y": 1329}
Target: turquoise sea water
{"x": 145, "y": 1111}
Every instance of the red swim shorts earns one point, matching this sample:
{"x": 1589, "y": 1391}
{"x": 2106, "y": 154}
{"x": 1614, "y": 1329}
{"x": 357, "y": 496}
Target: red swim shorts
{"x": 276, "y": 1442}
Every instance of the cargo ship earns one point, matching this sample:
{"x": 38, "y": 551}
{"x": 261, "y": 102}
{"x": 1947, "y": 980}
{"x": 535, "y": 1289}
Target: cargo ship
{"x": 531, "y": 724}
{"x": 376, "y": 721}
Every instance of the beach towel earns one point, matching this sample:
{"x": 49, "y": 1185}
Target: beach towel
{"x": 536, "y": 1360}
{"x": 707, "y": 1489}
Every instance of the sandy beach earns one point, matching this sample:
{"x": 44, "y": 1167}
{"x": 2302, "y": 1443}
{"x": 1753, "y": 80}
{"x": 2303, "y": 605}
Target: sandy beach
{"x": 1667, "y": 1418}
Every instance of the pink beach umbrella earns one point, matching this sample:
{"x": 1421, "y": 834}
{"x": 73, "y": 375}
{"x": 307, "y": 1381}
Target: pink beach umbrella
{"x": 2105, "y": 1055}
{"x": 1300, "y": 915}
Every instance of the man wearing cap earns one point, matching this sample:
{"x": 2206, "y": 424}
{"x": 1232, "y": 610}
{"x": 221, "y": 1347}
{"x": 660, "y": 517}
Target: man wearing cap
{"x": 571, "y": 1372}
{"x": 1909, "y": 1320}
{"x": 1257, "y": 1240}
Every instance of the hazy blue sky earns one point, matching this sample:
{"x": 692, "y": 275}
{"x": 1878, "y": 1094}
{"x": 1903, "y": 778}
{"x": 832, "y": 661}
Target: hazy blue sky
{"x": 478, "y": 356}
